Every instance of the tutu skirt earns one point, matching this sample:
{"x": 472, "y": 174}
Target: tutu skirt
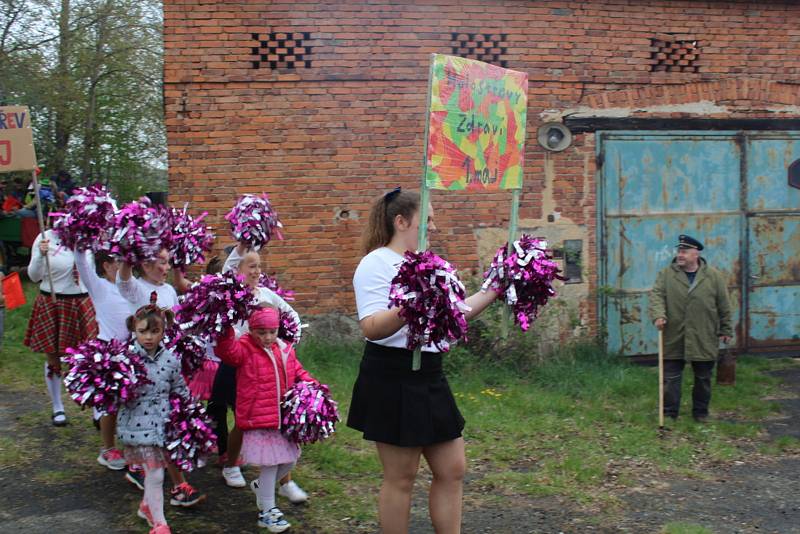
{"x": 146, "y": 456}
{"x": 395, "y": 405}
{"x": 268, "y": 447}
{"x": 202, "y": 381}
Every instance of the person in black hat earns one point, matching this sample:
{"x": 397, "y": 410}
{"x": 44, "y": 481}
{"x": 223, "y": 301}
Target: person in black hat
{"x": 689, "y": 303}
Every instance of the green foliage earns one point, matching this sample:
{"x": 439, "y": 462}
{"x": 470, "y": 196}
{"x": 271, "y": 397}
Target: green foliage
{"x": 90, "y": 71}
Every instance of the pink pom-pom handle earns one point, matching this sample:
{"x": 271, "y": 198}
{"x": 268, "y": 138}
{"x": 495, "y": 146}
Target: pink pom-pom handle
{"x": 141, "y": 231}
{"x": 213, "y": 304}
{"x": 309, "y": 413}
{"x": 103, "y": 374}
{"x": 254, "y": 221}
{"x": 87, "y": 218}
{"x": 191, "y": 239}
{"x": 190, "y": 437}
{"x": 524, "y": 278}
{"x": 431, "y": 300}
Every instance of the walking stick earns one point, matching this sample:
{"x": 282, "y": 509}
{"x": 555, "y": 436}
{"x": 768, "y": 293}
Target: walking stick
{"x": 661, "y": 380}
{"x": 42, "y": 231}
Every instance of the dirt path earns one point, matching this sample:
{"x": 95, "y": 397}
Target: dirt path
{"x": 759, "y": 495}
{"x": 56, "y": 487}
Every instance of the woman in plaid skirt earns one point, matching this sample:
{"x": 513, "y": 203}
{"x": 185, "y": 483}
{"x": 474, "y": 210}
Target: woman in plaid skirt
{"x": 57, "y": 323}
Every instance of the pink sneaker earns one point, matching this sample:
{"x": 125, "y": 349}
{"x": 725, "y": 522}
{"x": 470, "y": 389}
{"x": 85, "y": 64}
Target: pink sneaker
{"x": 161, "y": 528}
{"x": 144, "y": 513}
{"x": 112, "y": 459}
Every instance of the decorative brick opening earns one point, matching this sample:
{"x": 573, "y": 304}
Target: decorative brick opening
{"x": 486, "y": 47}
{"x": 668, "y": 53}
{"x": 282, "y": 50}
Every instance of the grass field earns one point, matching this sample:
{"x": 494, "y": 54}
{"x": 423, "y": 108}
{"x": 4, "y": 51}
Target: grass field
{"x": 571, "y": 426}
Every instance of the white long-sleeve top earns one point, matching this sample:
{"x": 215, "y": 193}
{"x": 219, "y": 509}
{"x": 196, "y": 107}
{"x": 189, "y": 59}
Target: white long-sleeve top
{"x": 264, "y": 296}
{"x": 110, "y": 307}
{"x": 137, "y": 292}
{"x": 62, "y": 260}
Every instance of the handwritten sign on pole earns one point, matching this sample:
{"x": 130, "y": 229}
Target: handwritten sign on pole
{"x": 16, "y": 140}
{"x": 476, "y": 125}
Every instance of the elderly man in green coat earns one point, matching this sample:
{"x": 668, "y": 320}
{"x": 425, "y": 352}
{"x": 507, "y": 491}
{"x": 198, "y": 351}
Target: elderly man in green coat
{"x": 689, "y": 303}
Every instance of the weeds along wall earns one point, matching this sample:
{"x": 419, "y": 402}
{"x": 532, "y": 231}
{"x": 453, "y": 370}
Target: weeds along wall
{"x": 321, "y": 104}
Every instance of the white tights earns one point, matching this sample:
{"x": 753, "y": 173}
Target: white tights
{"x": 154, "y": 493}
{"x": 53, "y": 389}
{"x": 266, "y": 483}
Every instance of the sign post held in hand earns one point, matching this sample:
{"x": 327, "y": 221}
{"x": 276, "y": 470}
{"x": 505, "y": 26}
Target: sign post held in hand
{"x": 474, "y": 134}
{"x": 17, "y": 154}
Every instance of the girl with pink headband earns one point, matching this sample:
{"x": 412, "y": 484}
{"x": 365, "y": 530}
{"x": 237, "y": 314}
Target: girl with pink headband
{"x": 266, "y": 368}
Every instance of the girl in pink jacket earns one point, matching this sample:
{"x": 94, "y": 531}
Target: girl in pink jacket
{"x": 266, "y": 368}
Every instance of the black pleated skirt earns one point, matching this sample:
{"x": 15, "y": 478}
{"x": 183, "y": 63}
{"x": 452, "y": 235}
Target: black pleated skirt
{"x": 395, "y": 405}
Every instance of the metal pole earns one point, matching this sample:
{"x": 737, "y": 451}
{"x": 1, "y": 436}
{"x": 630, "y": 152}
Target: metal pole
{"x": 512, "y": 236}
{"x": 42, "y": 229}
{"x": 424, "y": 199}
{"x": 661, "y": 379}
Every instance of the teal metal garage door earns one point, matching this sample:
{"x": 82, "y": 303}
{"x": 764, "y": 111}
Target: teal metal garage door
{"x": 728, "y": 189}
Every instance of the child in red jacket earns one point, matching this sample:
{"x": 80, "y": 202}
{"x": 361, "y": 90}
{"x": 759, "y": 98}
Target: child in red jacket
{"x": 266, "y": 368}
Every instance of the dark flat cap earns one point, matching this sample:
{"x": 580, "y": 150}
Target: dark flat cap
{"x": 687, "y": 241}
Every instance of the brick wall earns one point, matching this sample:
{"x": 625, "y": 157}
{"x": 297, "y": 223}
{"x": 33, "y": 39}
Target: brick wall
{"x": 325, "y": 138}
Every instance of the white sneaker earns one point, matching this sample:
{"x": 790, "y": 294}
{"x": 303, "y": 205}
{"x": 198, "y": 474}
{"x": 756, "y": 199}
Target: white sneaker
{"x": 293, "y": 492}
{"x": 273, "y": 520}
{"x": 233, "y": 477}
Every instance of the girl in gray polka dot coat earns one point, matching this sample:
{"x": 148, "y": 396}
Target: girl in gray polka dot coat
{"x": 141, "y": 423}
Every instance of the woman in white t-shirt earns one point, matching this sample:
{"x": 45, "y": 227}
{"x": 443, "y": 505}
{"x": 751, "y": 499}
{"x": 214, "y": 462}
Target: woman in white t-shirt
{"x": 61, "y": 322}
{"x": 407, "y": 413}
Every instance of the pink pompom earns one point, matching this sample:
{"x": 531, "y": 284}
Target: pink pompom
{"x": 289, "y": 330}
{"x": 270, "y": 282}
{"x": 213, "y": 304}
{"x": 191, "y": 239}
{"x": 309, "y": 413}
{"x": 431, "y": 300}
{"x": 103, "y": 374}
{"x": 190, "y": 437}
{"x": 254, "y": 221}
{"x": 87, "y": 219}
{"x": 141, "y": 231}
{"x": 189, "y": 348}
{"x": 525, "y": 278}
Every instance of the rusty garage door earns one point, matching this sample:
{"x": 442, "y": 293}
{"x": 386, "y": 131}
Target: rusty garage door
{"x": 728, "y": 189}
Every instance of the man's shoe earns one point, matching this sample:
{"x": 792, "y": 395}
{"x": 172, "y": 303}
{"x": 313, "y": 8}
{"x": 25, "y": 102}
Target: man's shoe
{"x": 112, "y": 459}
{"x": 273, "y": 520}
{"x": 293, "y": 492}
{"x": 702, "y": 419}
{"x": 185, "y": 495}
{"x": 233, "y": 477}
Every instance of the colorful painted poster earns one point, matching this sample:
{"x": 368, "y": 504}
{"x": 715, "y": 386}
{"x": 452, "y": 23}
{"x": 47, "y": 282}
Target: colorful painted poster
{"x": 16, "y": 140}
{"x": 476, "y": 125}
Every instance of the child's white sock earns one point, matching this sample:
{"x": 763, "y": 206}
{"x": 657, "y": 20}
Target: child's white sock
{"x": 53, "y": 389}
{"x": 266, "y": 486}
{"x": 154, "y": 493}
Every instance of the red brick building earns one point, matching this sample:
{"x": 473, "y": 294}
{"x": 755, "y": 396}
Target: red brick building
{"x": 322, "y": 103}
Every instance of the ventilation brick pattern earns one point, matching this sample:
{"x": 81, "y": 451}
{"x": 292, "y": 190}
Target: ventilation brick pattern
{"x": 282, "y": 50}
{"x": 671, "y": 55}
{"x": 486, "y": 47}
